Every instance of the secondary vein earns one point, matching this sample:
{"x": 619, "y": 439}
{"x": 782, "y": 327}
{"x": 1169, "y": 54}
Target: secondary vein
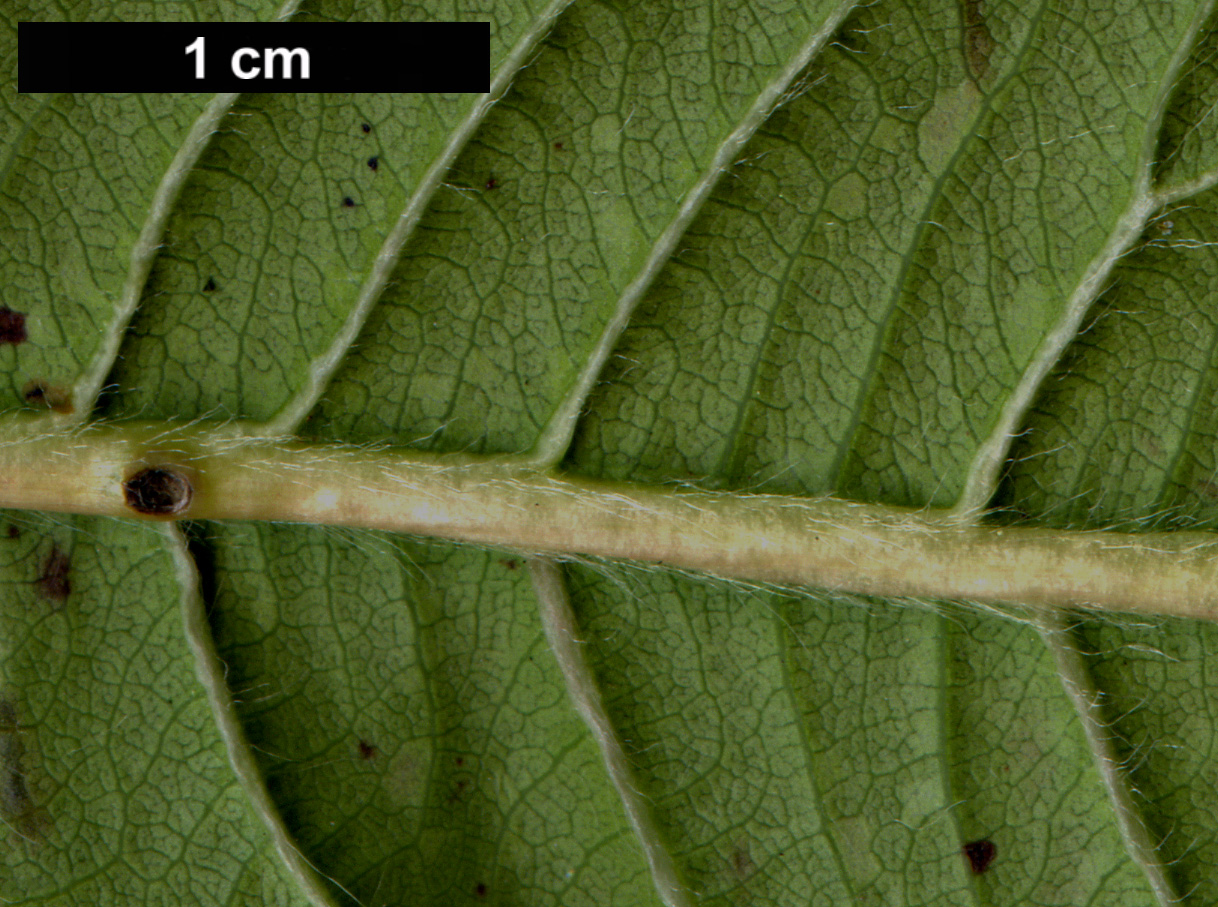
{"x": 322, "y": 369}
{"x": 555, "y": 438}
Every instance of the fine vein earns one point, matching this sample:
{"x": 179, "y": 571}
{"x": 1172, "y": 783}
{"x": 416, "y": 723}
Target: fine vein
{"x": 88, "y": 385}
{"x": 561, "y": 632}
{"x": 555, "y": 438}
{"x": 1076, "y": 678}
{"x": 288, "y": 419}
{"x": 984, "y": 471}
{"x": 210, "y": 671}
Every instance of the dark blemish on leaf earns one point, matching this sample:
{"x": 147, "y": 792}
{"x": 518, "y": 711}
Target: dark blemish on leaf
{"x": 12, "y": 326}
{"x": 1207, "y": 489}
{"x": 367, "y": 129}
{"x": 158, "y": 491}
{"x": 16, "y": 805}
{"x": 459, "y": 761}
{"x": 40, "y": 394}
{"x": 54, "y": 582}
{"x": 742, "y": 862}
{"x": 210, "y": 286}
{"x": 978, "y": 42}
{"x": 458, "y": 792}
{"x": 348, "y": 202}
{"x": 558, "y": 146}
{"x": 373, "y": 163}
{"x": 14, "y": 532}
{"x": 492, "y": 183}
{"x": 511, "y": 563}
{"x": 480, "y": 889}
{"x": 980, "y": 855}
{"x": 367, "y": 751}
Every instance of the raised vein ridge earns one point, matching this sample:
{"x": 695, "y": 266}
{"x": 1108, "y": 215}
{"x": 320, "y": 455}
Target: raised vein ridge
{"x": 555, "y": 438}
{"x": 288, "y": 419}
{"x": 210, "y": 671}
{"x": 144, "y": 252}
{"x": 985, "y": 469}
{"x": 1076, "y": 678}
{"x": 562, "y": 634}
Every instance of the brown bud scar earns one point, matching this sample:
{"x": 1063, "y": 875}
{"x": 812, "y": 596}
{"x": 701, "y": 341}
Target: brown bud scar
{"x": 158, "y": 491}
{"x": 12, "y": 326}
{"x": 980, "y": 855}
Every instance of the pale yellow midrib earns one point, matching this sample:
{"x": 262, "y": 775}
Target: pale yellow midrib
{"x": 860, "y": 548}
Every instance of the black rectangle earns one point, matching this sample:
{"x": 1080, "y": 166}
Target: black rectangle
{"x": 153, "y": 56}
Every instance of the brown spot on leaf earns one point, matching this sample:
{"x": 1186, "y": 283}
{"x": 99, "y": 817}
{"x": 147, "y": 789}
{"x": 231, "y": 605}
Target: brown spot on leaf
{"x": 492, "y": 183}
{"x": 210, "y": 286}
{"x": 1207, "y": 489}
{"x": 374, "y": 163}
{"x": 40, "y": 394}
{"x": 459, "y": 761}
{"x": 367, "y": 128}
{"x": 980, "y": 855}
{"x": 511, "y": 563}
{"x": 742, "y": 861}
{"x": 54, "y": 581}
{"x": 16, "y": 805}
{"x": 480, "y": 889}
{"x": 158, "y": 491}
{"x": 978, "y": 42}
{"x": 12, "y": 326}
{"x": 367, "y": 751}
{"x": 558, "y": 146}
{"x": 13, "y": 531}
{"x": 348, "y": 202}
{"x": 458, "y": 792}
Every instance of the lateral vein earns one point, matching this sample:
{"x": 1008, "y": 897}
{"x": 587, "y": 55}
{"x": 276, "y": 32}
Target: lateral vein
{"x": 985, "y": 469}
{"x": 1076, "y": 678}
{"x": 210, "y": 671}
{"x": 322, "y": 369}
{"x": 562, "y": 633}
{"x": 555, "y": 438}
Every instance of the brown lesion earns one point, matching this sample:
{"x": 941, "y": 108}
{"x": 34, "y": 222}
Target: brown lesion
{"x": 44, "y": 395}
{"x": 980, "y": 854}
{"x": 12, "y": 326}
{"x": 978, "y": 42}
{"x": 54, "y": 580}
{"x": 17, "y": 808}
{"x": 742, "y": 861}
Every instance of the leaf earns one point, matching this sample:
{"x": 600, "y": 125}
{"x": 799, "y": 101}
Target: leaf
{"x": 952, "y": 257}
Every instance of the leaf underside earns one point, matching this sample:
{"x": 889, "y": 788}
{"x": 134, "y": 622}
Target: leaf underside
{"x": 862, "y": 303}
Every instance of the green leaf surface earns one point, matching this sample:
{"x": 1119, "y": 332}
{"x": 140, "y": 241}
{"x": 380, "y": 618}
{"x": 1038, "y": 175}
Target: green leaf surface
{"x": 939, "y": 255}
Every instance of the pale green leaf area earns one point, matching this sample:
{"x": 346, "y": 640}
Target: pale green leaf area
{"x": 938, "y": 255}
